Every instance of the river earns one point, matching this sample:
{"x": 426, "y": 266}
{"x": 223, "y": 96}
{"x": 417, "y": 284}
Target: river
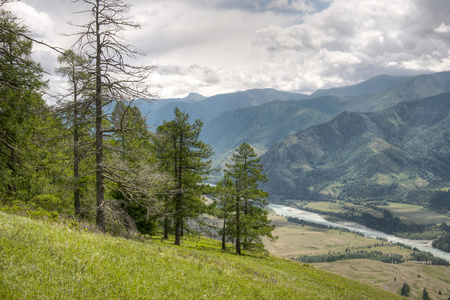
{"x": 423, "y": 245}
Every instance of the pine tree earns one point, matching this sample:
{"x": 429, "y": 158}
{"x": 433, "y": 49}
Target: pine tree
{"x": 136, "y": 180}
{"x": 23, "y": 114}
{"x": 225, "y": 207}
{"x": 75, "y": 110}
{"x": 187, "y": 160}
{"x": 425, "y": 295}
{"x": 405, "y": 290}
{"x": 251, "y": 221}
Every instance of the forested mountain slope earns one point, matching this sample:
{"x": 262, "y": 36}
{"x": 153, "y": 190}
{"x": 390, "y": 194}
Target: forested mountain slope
{"x": 365, "y": 155}
{"x": 264, "y": 125}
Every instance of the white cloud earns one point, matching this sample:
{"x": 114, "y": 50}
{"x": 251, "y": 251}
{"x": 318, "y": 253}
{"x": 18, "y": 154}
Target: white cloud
{"x": 443, "y": 28}
{"x": 353, "y": 40}
{"x": 39, "y": 22}
{"x": 216, "y": 46}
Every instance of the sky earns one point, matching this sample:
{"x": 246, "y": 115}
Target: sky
{"x": 219, "y": 46}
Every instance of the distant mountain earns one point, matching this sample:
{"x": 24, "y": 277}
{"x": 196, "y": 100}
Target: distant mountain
{"x": 264, "y": 125}
{"x": 412, "y": 89}
{"x": 374, "y": 85}
{"x": 365, "y": 155}
{"x": 209, "y": 108}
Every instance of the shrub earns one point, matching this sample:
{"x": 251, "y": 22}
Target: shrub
{"x": 47, "y": 202}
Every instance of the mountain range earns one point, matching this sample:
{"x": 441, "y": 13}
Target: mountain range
{"x": 365, "y": 155}
{"x": 276, "y": 122}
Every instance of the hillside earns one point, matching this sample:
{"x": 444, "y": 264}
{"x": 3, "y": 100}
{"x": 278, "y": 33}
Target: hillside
{"x": 264, "y": 125}
{"x": 365, "y": 155}
{"x": 44, "y": 261}
{"x": 415, "y": 88}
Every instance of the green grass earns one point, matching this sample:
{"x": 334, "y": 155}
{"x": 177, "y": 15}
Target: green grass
{"x": 41, "y": 260}
{"x": 410, "y": 214}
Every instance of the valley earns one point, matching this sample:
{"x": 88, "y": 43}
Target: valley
{"x": 296, "y": 240}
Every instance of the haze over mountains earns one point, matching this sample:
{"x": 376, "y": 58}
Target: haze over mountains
{"x": 333, "y": 141}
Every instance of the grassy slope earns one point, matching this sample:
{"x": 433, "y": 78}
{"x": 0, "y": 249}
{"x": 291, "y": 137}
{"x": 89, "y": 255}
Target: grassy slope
{"x": 416, "y": 214}
{"x": 43, "y": 261}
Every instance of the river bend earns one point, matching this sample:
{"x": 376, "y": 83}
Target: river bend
{"x": 423, "y": 245}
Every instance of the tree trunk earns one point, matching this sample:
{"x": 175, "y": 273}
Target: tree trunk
{"x": 99, "y": 130}
{"x": 166, "y": 228}
{"x": 76, "y": 175}
{"x": 238, "y": 227}
{"x": 76, "y": 154}
{"x": 177, "y": 231}
{"x": 224, "y": 246}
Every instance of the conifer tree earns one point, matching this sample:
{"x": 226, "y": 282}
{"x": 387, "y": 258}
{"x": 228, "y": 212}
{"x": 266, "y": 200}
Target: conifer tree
{"x": 405, "y": 290}
{"x": 187, "y": 160}
{"x": 76, "y": 111}
{"x": 225, "y": 207}
{"x": 425, "y": 295}
{"x": 23, "y": 113}
{"x": 251, "y": 221}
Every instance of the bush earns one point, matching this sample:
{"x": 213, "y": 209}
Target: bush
{"x": 30, "y": 210}
{"x": 47, "y": 202}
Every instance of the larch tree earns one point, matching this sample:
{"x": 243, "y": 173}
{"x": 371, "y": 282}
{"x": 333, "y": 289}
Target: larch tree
{"x": 251, "y": 221}
{"x": 187, "y": 160}
{"x": 102, "y": 41}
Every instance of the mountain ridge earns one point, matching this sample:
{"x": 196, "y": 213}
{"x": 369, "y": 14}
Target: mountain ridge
{"x": 375, "y": 150}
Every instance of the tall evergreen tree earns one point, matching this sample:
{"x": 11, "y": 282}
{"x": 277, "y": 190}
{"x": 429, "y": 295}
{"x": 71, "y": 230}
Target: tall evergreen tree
{"x": 187, "y": 159}
{"x": 225, "y": 207}
{"x": 23, "y": 113}
{"x": 75, "y": 108}
{"x": 251, "y": 221}
{"x": 133, "y": 171}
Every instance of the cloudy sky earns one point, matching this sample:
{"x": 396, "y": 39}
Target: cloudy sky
{"x": 218, "y": 46}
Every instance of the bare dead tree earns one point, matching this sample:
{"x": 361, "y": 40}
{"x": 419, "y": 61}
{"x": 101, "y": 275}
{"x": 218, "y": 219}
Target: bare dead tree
{"x": 102, "y": 41}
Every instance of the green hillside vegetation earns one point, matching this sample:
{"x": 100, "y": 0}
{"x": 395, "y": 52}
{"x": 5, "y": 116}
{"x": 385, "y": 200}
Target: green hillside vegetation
{"x": 398, "y": 154}
{"x": 410, "y": 214}
{"x": 41, "y": 260}
{"x": 262, "y": 126}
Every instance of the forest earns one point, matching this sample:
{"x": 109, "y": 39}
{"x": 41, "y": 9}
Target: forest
{"x": 91, "y": 157}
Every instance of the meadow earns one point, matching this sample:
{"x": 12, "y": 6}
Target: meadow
{"x": 48, "y": 260}
{"x": 414, "y": 214}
